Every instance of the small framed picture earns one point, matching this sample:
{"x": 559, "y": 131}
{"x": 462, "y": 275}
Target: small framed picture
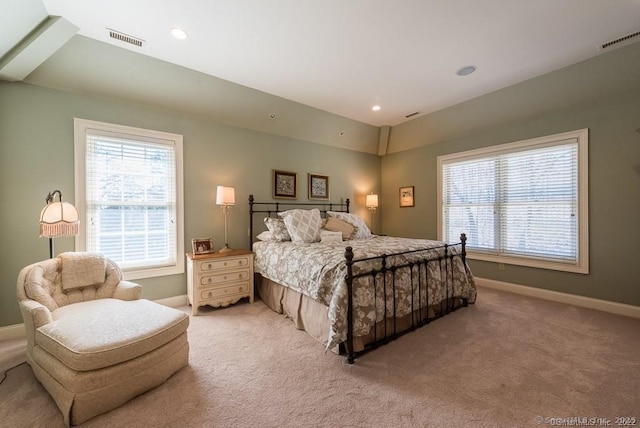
{"x": 285, "y": 184}
{"x": 318, "y": 186}
{"x": 406, "y": 196}
{"x": 202, "y": 246}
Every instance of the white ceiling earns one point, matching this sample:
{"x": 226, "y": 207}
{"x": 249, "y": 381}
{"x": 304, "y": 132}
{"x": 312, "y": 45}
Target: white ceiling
{"x": 344, "y": 56}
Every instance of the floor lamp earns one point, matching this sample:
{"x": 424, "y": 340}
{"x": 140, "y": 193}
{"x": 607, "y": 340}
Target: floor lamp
{"x": 225, "y": 196}
{"x": 58, "y": 219}
{"x": 371, "y": 202}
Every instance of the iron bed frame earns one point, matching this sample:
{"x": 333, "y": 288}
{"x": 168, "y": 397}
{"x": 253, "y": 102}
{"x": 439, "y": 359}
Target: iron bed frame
{"x": 384, "y": 275}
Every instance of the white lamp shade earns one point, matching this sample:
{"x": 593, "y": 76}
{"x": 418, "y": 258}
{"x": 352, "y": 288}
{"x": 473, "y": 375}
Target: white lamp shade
{"x": 371, "y": 201}
{"x": 225, "y": 196}
{"x": 59, "y": 219}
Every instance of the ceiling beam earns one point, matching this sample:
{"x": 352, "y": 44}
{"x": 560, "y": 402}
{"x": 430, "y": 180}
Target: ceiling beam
{"x": 36, "y": 47}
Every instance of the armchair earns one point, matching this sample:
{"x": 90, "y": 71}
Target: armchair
{"x": 91, "y": 341}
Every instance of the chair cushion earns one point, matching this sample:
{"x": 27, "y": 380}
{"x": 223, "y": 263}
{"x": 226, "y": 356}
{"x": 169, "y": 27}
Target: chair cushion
{"x": 100, "y": 333}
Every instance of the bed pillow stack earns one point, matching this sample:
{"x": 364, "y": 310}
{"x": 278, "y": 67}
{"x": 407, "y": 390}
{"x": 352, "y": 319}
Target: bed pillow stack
{"x": 303, "y": 225}
{"x": 361, "y": 229}
{"x": 300, "y": 225}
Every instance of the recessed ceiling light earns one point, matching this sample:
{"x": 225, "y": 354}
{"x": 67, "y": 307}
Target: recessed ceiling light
{"x": 179, "y": 33}
{"x": 466, "y": 70}
{"x": 375, "y": 108}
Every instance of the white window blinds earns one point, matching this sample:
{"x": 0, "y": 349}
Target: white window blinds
{"x": 520, "y": 201}
{"x": 538, "y": 202}
{"x": 131, "y": 199}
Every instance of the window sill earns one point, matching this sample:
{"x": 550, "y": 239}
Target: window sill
{"x": 530, "y": 262}
{"x": 153, "y": 273}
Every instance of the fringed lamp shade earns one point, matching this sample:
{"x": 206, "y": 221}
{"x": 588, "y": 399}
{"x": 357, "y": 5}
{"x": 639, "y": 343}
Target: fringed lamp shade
{"x": 59, "y": 219}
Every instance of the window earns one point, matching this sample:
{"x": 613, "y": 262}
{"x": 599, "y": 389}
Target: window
{"x": 521, "y": 203}
{"x": 129, "y": 193}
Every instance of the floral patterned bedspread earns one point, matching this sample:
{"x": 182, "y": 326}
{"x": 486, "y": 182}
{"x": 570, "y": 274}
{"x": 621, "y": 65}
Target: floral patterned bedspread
{"x": 318, "y": 270}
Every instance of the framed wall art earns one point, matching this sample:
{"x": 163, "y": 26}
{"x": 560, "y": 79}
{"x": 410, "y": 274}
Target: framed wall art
{"x": 406, "y": 197}
{"x": 202, "y": 246}
{"x": 318, "y": 186}
{"x": 285, "y": 184}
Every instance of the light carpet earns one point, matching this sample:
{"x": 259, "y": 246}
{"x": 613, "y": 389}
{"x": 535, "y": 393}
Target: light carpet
{"x": 507, "y": 361}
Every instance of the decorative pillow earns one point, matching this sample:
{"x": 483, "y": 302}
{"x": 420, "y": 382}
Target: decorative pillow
{"x": 335, "y": 225}
{"x": 362, "y": 231}
{"x": 277, "y": 228}
{"x": 329, "y": 236}
{"x": 265, "y": 236}
{"x": 81, "y": 269}
{"x": 303, "y": 225}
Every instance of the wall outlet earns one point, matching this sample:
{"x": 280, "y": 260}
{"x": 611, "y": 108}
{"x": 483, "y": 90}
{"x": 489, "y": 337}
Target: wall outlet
{"x": 501, "y": 266}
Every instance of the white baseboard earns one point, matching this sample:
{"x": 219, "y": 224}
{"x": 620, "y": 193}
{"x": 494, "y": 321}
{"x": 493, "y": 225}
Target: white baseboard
{"x": 556, "y": 296}
{"x": 11, "y": 332}
{"x": 173, "y": 301}
{"x": 17, "y": 330}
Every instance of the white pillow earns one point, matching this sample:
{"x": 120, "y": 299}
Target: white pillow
{"x": 362, "y": 231}
{"x": 277, "y": 228}
{"x": 265, "y": 236}
{"x": 303, "y": 225}
{"x": 330, "y": 236}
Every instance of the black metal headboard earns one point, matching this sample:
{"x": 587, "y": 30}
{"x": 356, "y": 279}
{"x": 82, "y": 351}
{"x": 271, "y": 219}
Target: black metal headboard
{"x": 270, "y": 208}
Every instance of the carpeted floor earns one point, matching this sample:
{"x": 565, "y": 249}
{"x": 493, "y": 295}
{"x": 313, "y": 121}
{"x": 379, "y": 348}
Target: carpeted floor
{"x": 507, "y": 361}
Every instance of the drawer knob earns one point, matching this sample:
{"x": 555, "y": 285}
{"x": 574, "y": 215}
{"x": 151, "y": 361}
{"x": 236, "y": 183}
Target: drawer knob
{"x": 209, "y": 280}
{"x": 240, "y": 275}
{"x": 209, "y": 293}
{"x": 240, "y": 288}
{"x": 225, "y": 263}
{"x": 209, "y": 265}
{"x": 225, "y": 277}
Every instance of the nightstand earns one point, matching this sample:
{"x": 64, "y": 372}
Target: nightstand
{"x": 219, "y": 279}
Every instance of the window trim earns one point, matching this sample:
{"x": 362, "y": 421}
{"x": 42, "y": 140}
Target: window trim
{"x": 582, "y": 137}
{"x": 80, "y": 141}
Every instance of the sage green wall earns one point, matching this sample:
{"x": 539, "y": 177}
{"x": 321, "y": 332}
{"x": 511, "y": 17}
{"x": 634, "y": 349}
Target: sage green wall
{"x": 36, "y": 156}
{"x": 87, "y": 65}
{"x": 613, "y": 120}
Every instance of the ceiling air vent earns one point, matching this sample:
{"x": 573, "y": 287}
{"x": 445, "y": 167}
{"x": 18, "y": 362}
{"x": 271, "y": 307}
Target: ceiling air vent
{"x": 412, "y": 114}
{"x": 125, "y": 37}
{"x": 622, "y": 41}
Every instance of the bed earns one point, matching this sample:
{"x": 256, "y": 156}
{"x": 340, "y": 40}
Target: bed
{"x": 356, "y": 294}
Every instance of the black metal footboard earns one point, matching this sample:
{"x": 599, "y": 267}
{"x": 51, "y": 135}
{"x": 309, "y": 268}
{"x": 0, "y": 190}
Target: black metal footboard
{"x": 384, "y": 277}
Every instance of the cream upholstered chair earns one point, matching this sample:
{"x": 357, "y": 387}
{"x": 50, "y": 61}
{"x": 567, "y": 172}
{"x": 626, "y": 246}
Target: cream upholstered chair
{"x": 91, "y": 341}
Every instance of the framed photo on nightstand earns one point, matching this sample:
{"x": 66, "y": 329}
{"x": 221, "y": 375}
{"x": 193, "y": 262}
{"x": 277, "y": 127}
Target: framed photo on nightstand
{"x": 202, "y": 246}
